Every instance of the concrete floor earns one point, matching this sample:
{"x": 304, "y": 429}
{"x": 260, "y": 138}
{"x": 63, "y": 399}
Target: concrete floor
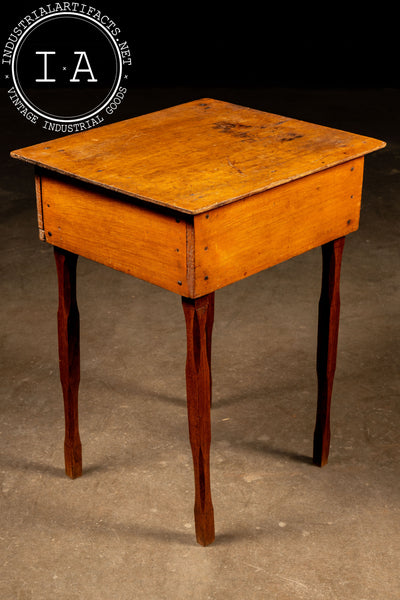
{"x": 285, "y": 529}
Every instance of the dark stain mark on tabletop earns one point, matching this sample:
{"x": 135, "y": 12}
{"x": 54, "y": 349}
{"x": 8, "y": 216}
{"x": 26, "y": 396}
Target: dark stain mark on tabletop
{"x": 290, "y": 136}
{"x": 235, "y": 129}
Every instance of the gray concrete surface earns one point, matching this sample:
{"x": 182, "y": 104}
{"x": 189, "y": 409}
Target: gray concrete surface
{"x": 285, "y": 529}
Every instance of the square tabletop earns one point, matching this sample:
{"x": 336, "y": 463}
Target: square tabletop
{"x": 199, "y": 155}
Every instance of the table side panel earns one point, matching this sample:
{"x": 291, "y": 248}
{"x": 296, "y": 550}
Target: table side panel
{"x": 241, "y": 239}
{"x": 39, "y": 205}
{"x": 142, "y": 241}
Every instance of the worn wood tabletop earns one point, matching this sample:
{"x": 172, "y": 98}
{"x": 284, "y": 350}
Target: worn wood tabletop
{"x": 199, "y": 155}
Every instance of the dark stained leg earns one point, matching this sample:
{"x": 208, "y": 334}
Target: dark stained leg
{"x": 69, "y": 359}
{"x": 198, "y": 316}
{"x": 209, "y": 328}
{"x": 328, "y": 327}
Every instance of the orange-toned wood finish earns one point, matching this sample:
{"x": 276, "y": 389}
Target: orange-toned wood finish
{"x": 193, "y": 198}
{"x": 199, "y": 155}
{"x": 121, "y": 234}
{"x": 243, "y": 238}
{"x": 193, "y": 256}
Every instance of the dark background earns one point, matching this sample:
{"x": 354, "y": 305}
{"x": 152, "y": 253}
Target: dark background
{"x": 309, "y": 62}
{"x": 251, "y": 44}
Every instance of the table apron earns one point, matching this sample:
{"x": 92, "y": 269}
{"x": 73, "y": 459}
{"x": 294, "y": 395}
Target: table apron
{"x": 255, "y": 233}
{"x": 115, "y": 231}
{"x": 194, "y": 255}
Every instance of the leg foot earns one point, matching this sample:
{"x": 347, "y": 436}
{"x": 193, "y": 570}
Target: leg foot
{"x": 198, "y": 316}
{"x": 328, "y": 328}
{"x": 69, "y": 358}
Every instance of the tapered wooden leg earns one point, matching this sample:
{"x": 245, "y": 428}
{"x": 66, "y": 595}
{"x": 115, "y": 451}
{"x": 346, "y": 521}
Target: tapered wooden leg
{"x": 328, "y": 328}
{"x": 209, "y": 328}
{"x": 69, "y": 359}
{"x": 198, "y": 316}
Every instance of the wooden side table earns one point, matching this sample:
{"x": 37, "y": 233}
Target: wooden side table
{"x": 193, "y": 198}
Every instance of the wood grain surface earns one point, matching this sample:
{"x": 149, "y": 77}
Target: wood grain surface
{"x": 125, "y": 236}
{"x": 196, "y": 255}
{"x": 200, "y": 155}
{"x": 243, "y": 238}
